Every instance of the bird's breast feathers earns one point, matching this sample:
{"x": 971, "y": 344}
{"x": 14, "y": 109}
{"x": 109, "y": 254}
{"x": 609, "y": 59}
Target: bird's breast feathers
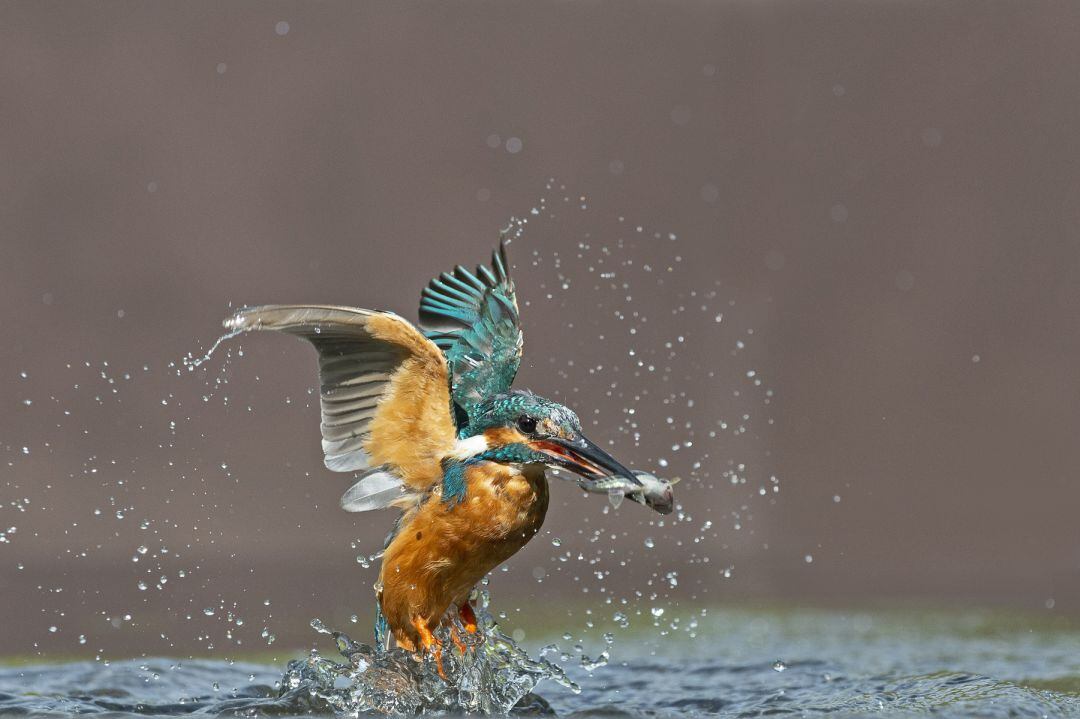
{"x": 506, "y": 499}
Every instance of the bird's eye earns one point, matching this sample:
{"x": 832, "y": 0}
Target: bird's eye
{"x": 527, "y": 424}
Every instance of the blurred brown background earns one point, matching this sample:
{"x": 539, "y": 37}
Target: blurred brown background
{"x": 827, "y": 255}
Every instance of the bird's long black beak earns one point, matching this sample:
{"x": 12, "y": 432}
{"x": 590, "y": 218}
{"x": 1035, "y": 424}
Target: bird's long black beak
{"x": 583, "y": 457}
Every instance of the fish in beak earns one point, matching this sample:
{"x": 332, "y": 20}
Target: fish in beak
{"x": 584, "y": 458}
{"x": 652, "y": 491}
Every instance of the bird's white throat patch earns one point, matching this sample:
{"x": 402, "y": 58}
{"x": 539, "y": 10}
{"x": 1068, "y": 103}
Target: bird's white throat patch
{"x": 469, "y": 447}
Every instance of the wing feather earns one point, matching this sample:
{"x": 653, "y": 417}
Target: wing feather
{"x": 385, "y": 391}
{"x": 473, "y": 318}
{"x": 377, "y": 488}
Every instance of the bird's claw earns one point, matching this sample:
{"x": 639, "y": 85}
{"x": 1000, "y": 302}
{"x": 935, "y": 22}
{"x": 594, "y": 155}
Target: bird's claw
{"x": 462, "y": 647}
{"x": 429, "y": 643}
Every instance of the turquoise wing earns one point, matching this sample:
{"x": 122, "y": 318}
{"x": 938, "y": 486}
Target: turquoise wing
{"x": 473, "y": 318}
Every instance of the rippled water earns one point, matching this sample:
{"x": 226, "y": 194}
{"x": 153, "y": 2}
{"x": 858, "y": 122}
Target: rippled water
{"x": 740, "y": 663}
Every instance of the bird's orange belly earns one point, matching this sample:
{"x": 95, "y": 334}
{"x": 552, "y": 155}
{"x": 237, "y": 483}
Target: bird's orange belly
{"x": 442, "y": 551}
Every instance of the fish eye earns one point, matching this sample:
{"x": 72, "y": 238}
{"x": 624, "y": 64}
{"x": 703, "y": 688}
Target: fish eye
{"x": 526, "y": 424}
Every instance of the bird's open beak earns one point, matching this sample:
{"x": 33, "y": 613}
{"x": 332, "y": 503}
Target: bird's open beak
{"x": 582, "y": 457}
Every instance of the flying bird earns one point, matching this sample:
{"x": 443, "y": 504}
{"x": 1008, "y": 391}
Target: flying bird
{"x": 428, "y": 418}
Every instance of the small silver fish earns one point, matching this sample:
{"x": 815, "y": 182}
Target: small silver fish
{"x": 654, "y": 492}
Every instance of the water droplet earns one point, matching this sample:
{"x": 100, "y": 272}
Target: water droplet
{"x": 589, "y": 664}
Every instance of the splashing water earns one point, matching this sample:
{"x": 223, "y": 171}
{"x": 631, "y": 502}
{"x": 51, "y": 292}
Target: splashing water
{"x": 192, "y": 362}
{"x": 486, "y": 673}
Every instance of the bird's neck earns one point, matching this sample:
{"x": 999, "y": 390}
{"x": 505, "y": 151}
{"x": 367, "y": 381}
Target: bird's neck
{"x": 469, "y": 447}
{"x": 475, "y": 450}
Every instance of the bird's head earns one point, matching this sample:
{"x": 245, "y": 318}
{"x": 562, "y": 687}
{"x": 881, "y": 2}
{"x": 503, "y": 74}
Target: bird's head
{"x": 524, "y": 428}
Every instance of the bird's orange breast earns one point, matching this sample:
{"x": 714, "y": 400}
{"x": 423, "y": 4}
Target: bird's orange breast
{"x": 443, "y": 550}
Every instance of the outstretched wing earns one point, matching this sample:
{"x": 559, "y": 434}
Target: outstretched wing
{"x": 473, "y": 318}
{"x": 384, "y": 387}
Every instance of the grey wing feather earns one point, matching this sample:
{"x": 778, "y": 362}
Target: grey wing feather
{"x": 354, "y": 370}
{"x": 378, "y": 488}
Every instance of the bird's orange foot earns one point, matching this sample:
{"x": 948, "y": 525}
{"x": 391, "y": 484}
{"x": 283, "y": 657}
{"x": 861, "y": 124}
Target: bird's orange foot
{"x": 438, "y": 662}
{"x": 431, "y": 644}
{"x": 462, "y": 647}
{"x": 467, "y": 617}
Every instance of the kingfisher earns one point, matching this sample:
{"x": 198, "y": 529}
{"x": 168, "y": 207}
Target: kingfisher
{"x": 427, "y": 417}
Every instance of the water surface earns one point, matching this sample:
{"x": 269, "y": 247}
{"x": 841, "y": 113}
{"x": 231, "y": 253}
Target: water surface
{"x": 733, "y": 663}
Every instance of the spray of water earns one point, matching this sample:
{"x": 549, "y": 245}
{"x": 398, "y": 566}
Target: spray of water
{"x": 192, "y": 362}
{"x": 488, "y": 674}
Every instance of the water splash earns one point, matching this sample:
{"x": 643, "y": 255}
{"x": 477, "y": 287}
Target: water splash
{"x": 486, "y": 673}
{"x": 192, "y": 362}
